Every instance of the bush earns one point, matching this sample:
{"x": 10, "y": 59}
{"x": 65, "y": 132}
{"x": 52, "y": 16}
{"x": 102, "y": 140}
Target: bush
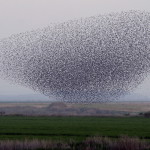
{"x": 147, "y": 114}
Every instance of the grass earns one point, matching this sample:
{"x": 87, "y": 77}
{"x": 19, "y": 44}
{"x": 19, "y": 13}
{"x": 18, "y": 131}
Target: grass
{"x": 76, "y": 128}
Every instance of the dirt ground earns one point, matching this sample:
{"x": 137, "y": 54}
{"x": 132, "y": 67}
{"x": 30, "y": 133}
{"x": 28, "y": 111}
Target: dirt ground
{"x": 59, "y": 108}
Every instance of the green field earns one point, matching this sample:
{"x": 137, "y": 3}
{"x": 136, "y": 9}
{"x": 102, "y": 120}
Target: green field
{"x": 77, "y": 128}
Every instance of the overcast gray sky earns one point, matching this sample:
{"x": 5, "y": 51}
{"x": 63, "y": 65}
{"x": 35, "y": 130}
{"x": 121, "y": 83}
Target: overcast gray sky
{"x": 24, "y": 15}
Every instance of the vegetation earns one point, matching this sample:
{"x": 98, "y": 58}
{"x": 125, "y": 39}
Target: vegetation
{"x": 147, "y": 114}
{"x": 92, "y": 143}
{"x": 76, "y": 128}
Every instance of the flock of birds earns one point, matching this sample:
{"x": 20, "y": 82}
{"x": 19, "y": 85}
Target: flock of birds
{"x": 95, "y": 59}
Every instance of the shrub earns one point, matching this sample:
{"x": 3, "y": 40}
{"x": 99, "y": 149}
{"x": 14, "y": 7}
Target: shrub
{"x": 147, "y": 114}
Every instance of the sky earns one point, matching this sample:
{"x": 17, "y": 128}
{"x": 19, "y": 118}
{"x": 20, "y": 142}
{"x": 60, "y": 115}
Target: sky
{"x": 25, "y": 15}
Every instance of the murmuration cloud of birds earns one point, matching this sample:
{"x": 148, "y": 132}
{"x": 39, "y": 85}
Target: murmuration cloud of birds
{"x": 95, "y": 59}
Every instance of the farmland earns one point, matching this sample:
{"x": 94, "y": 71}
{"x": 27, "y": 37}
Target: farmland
{"x": 76, "y": 128}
